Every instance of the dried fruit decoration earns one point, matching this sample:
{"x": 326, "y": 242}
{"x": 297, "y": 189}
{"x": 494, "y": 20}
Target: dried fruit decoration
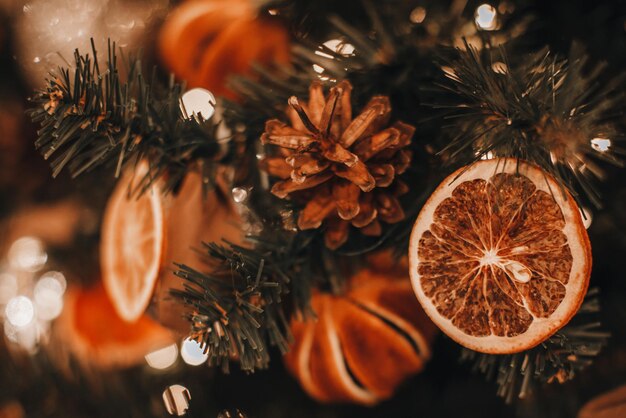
{"x": 499, "y": 256}
{"x": 345, "y": 170}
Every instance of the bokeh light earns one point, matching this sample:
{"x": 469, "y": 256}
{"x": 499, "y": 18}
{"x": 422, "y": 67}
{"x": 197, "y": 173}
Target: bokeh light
{"x": 162, "y": 358}
{"x": 27, "y": 254}
{"x": 8, "y": 287}
{"x": 418, "y": 15}
{"x": 192, "y": 352}
{"x": 486, "y": 17}
{"x": 176, "y": 399}
{"x": 601, "y": 144}
{"x": 199, "y": 102}
{"x": 20, "y": 311}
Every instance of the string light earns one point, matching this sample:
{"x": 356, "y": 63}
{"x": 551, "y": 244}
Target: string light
{"x": 486, "y": 17}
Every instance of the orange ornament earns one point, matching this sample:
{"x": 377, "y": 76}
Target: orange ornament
{"x": 364, "y": 343}
{"x": 143, "y": 236}
{"x": 206, "y": 41}
{"x": 91, "y": 330}
{"x": 132, "y": 244}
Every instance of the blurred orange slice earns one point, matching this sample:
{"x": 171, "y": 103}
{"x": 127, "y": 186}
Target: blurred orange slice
{"x": 93, "y": 332}
{"x": 132, "y": 244}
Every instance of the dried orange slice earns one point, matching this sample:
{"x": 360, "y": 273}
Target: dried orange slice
{"x": 131, "y": 245}
{"x": 499, "y": 257}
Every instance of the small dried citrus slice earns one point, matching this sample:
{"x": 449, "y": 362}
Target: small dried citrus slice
{"x": 499, "y": 257}
{"x": 132, "y": 244}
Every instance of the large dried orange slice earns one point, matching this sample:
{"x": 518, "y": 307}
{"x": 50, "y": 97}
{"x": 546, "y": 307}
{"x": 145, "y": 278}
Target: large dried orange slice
{"x": 132, "y": 244}
{"x": 499, "y": 257}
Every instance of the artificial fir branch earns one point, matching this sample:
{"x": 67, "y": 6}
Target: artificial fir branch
{"x": 542, "y": 109}
{"x": 90, "y": 116}
{"x": 559, "y": 358}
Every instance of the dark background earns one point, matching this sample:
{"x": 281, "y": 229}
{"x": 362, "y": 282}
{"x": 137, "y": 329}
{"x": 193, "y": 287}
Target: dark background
{"x": 446, "y": 388}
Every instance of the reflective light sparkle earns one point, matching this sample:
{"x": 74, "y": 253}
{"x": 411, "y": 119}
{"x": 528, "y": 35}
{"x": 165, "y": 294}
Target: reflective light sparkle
{"x": 587, "y": 217}
{"x": 239, "y": 194}
{"x": 340, "y": 47}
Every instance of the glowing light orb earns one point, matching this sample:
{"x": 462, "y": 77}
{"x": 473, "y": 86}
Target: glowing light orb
{"x": 20, "y": 311}
{"x": 192, "y": 352}
{"x": 176, "y": 399}
{"x": 162, "y": 358}
{"x": 199, "y": 102}
{"x": 418, "y": 15}
{"x": 486, "y": 17}
{"x": 8, "y": 287}
{"x": 28, "y": 254}
{"x": 601, "y": 144}
{"x": 48, "y": 295}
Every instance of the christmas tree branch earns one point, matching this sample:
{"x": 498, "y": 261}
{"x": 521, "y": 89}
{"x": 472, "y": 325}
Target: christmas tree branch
{"x": 90, "y": 116}
{"x": 237, "y": 310}
{"x": 542, "y": 109}
{"x": 559, "y": 358}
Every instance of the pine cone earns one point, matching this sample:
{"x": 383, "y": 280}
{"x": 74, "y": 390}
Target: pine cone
{"x": 344, "y": 169}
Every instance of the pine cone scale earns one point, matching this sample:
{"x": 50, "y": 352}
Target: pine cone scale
{"x": 367, "y": 212}
{"x": 357, "y": 174}
{"x": 360, "y": 125}
{"x": 384, "y": 174}
{"x": 372, "y": 145}
{"x": 316, "y": 210}
{"x": 279, "y": 134}
{"x": 346, "y": 196}
{"x": 283, "y": 188}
